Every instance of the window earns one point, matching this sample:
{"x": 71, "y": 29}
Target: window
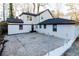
{"x": 41, "y": 17}
{"x": 39, "y": 26}
{"x": 27, "y": 16}
{"x": 20, "y": 27}
{"x": 55, "y": 27}
{"x": 44, "y": 26}
{"x": 30, "y": 18}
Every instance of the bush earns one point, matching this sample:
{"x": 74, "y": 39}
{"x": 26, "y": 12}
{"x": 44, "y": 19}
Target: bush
{"x": 3, "y": 27}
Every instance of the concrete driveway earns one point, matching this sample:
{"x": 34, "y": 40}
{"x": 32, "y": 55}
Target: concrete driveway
{"x": 31, "y": 44}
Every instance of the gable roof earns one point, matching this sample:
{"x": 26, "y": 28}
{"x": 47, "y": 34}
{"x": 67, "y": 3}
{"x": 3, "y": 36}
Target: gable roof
{"x": 45, "y": 11}
{"x": 14, "y": 20}
{"x": 58, "y": 21}
{"x": 26, "y": 13}
{"x": 32, "y": 14}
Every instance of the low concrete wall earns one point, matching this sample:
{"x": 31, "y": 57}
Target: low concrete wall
{"x": 61, "y": 50}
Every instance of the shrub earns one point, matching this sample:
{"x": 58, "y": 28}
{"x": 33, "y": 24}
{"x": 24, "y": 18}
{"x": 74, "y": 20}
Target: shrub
{"x": 3, "y": 27}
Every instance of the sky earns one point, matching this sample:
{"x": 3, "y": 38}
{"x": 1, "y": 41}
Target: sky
{"x": 51, "y": 6}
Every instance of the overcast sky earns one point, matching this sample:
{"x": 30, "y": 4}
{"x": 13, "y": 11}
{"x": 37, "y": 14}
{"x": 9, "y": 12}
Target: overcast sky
{"x": 52, "y": 6}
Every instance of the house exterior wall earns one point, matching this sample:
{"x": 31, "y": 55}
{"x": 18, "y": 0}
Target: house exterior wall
{"x": 63, "y": 31}
{"x": 66, "y": 45}
{"x": 36, "y": 19}
{"x": 27, "y": 21}
{"x": 14, "y": 29}
{"x": 46, "y": 15}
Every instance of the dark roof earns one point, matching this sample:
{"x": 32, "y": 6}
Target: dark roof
{"x": 32, "y": 14}
{"x": 58, "y": 21}
{"x": 26, "y": 13}
{"x": 14, "y": 20}
{"x": 44, "y": 11}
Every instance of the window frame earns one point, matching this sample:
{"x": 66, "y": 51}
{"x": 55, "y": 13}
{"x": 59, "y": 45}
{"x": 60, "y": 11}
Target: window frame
{"x": 54, "y": 27}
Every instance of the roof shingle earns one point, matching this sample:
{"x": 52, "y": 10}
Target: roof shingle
{"x": 14, "y": 20}
{"x": 58, "y": 21}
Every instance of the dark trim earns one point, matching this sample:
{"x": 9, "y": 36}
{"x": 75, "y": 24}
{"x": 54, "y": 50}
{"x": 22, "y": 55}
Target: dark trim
{"x": 48, "y": 24}
{"x": 44, "y": 11}
{"x": 22, "y": 24}
{"x": 50, "y": 13}
{"x": 32, "y": 14}
{"x": 59, "y": 24}
{"x": 26, "y": 13}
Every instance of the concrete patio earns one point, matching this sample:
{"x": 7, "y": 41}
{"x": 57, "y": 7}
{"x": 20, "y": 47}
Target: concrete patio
{"x": 31, "y": 44}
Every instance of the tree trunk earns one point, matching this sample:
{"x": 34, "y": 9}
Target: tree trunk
{"x": 34, "y": 8}
{"x": 4, "y": 11}
{"x": 11, "y": 10}
{"x": 38, "y": 6}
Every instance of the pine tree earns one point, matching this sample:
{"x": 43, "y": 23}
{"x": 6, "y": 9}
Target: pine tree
{"x": 11, "y": 10}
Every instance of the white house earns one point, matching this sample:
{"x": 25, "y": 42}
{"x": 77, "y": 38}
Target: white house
{"x": 27, "y": 22}
{"x": 43, "y": 22}
{"x": 59, "y": 27}
{"x": 30, "y": 18}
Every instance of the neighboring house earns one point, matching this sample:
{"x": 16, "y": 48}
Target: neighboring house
{"x": 44, "y": 23}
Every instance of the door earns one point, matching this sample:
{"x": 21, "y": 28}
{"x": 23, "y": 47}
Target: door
{"x": 32, "y": 28}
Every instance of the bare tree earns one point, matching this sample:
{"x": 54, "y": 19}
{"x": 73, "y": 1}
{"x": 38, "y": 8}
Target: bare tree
{"x": 34, "y": 7}
{"x": 73, "y": 10}
{"x": 4, "y": 11}
{"x": 57, "y": 13}
{"x": 39, "y": 5}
